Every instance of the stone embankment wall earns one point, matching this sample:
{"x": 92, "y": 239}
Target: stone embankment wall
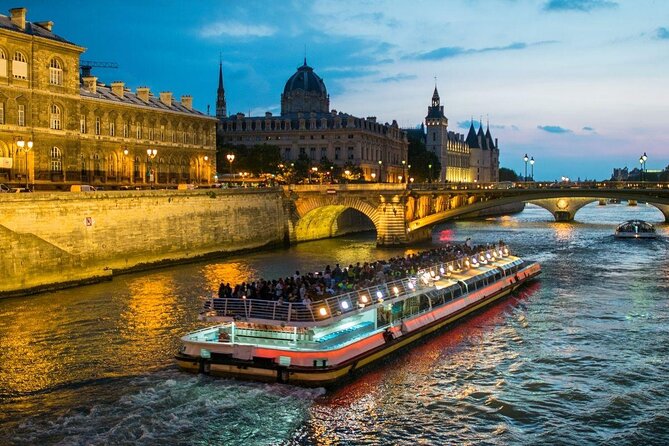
{"x": 55, "y": 239}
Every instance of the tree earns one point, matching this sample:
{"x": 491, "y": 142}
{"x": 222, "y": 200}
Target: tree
{"x": 506, "y": 174}
{"x": 420, "y": 161}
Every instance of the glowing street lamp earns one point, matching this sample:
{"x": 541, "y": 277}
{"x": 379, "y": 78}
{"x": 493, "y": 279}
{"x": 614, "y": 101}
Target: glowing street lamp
{"x": 231, "y": 158}
{"x": 525, "y": 158}
{"x": 380, "y": 170}
{"x": 23, "y": 145}
{"x": 373, "y": 176}
{"x": 532, "y": 166}
{"x": 151, "y": 154}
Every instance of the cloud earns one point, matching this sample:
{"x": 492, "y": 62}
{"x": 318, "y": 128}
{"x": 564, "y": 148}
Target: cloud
{"x": 553, "y": 129}
{"x": 449, "y": 52}
{"x": 578, "y": 5}
{"x": 588, "y": 129}
{"x": 662, "y": 33}
{"x": 236, "y": 29}
{"x": 398, "y": 78}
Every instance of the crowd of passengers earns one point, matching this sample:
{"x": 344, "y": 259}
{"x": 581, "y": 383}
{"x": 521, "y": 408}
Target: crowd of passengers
{"x": 311, "y": 287}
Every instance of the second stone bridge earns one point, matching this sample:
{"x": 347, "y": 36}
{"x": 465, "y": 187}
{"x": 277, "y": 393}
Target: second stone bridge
{"x": 402, "y": 214}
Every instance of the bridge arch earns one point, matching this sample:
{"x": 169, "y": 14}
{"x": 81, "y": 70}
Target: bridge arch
{"x": 325, "y": 216}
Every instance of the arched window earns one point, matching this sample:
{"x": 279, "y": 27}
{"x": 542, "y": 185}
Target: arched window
{"x": 54, "y": 118}
{"x": 97, "y": 165}
{"x": 19, "y": 66}
{"x": 55, "y": 72}
{"x": 56, "y": 160}
{"x": 3, "y": 63}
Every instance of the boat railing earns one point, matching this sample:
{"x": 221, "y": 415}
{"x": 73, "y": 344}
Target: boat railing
{"x": 349, "y": 302}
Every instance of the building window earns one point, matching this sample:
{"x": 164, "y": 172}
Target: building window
{"x": 56, "y": 160}
{"x": 174, "y": 136}
{"x": 139, "y": 131}
{"x": 126, "y": 130}
{"x": 112, "y": 128}
{"x": 19, "y": 66}
{"x": 55, "y": 72}
{"x": 337, "y": 153}
{"x": 97, "y": 125}
{"x": 312, "y": 153}
{"x": 54, "y": 119}
{"x": 303, "y": 151}
{"x": 2, "y": 112}
{"x": 350, "y": 153}
{"x": 286, "y": 153}
{"x": 151, "y": 133}
{"x": 97, "y": 165}
{"x": 22, "y": 115}
{"x": 324, "y": 153}
{"x": 162, "y": 133}
{"x": 82, "y": 124}
{"x": 3, "y": 63}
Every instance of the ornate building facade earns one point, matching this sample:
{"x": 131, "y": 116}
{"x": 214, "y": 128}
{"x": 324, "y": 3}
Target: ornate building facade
{"x": 308, "y": 128}
{"x": 471, "y": 159}
{"x": 74, "y": 129}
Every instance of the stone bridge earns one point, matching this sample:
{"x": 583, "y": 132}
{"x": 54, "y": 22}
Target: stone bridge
{"x": 403, "y": 214}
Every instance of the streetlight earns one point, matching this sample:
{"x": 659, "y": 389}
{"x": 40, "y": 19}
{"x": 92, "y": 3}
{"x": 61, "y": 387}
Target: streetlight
{"x": 125, "y": 163}
{"x": 206, "y": 161}
{"x": 532, "y": 167}
{"x": 373, "y": 176}
{"x": 314, "y": 170}
{"x": 380, "y": 171}
{"x": 151, "y": 154}
{"x": 23, "y": 145}
{"x": 429, "y": 166}
{"x": 230, "y": 158}
{"x": 404, "y": 172}
{"x": 400, "y": 178}
{"x": 644, "y": 168}
{"x": 525, "y": 158}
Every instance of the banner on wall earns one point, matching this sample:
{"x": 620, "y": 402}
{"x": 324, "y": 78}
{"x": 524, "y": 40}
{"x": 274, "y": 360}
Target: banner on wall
{"x": 6, "y": 162}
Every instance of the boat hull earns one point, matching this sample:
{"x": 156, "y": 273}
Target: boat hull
{"x": 332, "y": 375}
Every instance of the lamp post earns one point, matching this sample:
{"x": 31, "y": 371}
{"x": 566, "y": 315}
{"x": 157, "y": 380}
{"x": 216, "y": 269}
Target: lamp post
{"x": 23, "y": 145}
{"x": 231, "y": 158}
{"x": 525, "y": 158}
{"x": 206, "y": 163}
{"x": 644, "y": 157}
{"x": 404, "y": 171}
{"x": 125, "y": 162}
{"x": 373, "y": 176}
{"x": 429, "y": 173}
{"x": 380, "y": 171}
{"x": 151, "y": 154}
{"x": 532, "y": 167}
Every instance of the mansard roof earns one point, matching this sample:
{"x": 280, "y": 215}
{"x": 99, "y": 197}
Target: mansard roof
{"x": 31, "y": 29}
{"x": 104, "y": 93}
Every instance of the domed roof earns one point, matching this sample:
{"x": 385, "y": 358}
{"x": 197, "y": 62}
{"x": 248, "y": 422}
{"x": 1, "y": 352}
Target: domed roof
{"x": 305, "y": 79}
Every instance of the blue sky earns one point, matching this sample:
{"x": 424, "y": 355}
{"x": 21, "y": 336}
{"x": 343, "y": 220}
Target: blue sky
{"x": 580, "y": 85}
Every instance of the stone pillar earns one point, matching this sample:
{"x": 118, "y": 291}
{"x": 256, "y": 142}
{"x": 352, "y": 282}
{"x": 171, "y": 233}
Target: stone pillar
{"x": 391, "y": 228}
{"x": 664, "y": 208}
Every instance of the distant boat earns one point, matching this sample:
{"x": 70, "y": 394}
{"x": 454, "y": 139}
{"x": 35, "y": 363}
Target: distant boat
{"x": 635, "y": 229}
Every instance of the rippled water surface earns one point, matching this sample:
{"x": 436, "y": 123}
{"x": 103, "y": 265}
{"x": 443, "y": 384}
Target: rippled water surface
{"x": 579, "y": 357}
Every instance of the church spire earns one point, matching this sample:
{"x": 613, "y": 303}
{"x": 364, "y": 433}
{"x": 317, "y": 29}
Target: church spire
{"x": 435, "y": 97}
{"x": 221, "y": 111}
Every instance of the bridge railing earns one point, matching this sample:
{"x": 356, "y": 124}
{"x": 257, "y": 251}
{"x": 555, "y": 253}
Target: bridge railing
{"x": 349, "y": 302}
{"x": 541, "y": 185}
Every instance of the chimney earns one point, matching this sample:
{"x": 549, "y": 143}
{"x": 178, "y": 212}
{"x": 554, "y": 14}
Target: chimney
{"x": 166, "y": 98}
{"x": 19, "y": 17}
{"x": 118, "y": 88}
{"x": 187, "y": 101}
{"x": 90, "y": 83}
{"x": 143, "y": 93}
{"x": 46, "y": 25}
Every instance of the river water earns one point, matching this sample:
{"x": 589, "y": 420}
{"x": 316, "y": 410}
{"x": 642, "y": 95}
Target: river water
{"x": 580, "y": 356}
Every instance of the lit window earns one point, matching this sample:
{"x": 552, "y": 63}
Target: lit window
{"x": 19, "y": 66}
{"x": 55, "y": 72}
{"x": 3, "y": 63}
{"x": 22, "y": 115}
{"x": 126, "y": 131}
{"x": 139, "y": 131}
{"x": 55, "y": 117}
{"x": 98, "y": 125}
{"x": 56, "y": 160}
{"x": 82, "y": 124}
{"x": 112, "y": 128}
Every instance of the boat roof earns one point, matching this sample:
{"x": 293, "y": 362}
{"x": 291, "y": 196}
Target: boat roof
{"x": 465, "y": 270}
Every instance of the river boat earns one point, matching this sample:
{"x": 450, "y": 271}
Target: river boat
{"x": 635, "y": 229}
{"x": 321, "y": 343}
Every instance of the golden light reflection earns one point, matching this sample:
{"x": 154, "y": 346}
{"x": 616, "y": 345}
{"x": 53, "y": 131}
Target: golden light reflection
{"x": 228, "y": 272}
{"x": 563, "y": 231}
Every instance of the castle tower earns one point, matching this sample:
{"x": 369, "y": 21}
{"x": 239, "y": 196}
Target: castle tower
{"x": 221, "y": 111}
{"x": 437, "y": 133}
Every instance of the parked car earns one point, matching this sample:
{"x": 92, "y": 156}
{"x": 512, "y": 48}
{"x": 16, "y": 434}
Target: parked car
{"x": 82, "y": 188}
{"x": 3, "y": 188}
{"x": 19, "y": 190}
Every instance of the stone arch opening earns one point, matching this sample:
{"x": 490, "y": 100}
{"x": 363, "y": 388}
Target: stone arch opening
{"x": 331, "y": 221}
